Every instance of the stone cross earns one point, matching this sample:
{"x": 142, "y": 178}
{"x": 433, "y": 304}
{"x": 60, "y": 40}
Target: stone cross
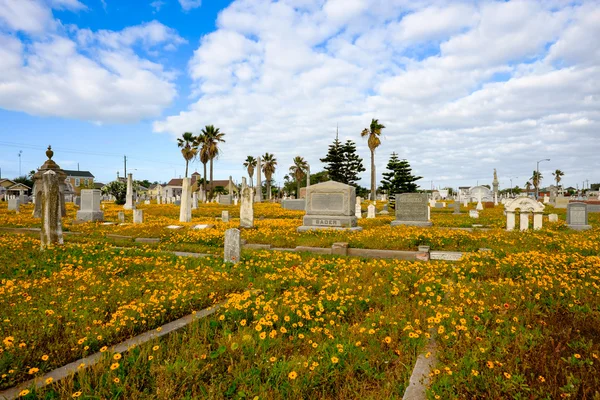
{"x": 233, "y": 246}
{"x": 51, "y": 213}
{"x": 247, "y": 206}
{"x": 129, "y": 196}
{"x": 185, "y": 210}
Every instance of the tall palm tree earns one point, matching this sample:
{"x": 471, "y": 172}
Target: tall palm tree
{"x": 250, "y": 164}
{"x": 536, "y": 179}
{"x": 204, "y": 155}
{"x": 298, "y": 171}
{"x": 189, "y": 148}
{"x": 558, "y": 174}
{"x": 213, "y": 136}
{"x": 373, "y": 132}
{"x": 269, "y": 163}
{"x": 528, "y": 187}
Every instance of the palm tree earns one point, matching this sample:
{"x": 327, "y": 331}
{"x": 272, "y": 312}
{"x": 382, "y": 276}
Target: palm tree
{"x": 558, "y": 174}
{"x": 528, "y": 187}
{"x": 213, "y": 137}
{"x": 269, "y": 163}
{"x": 204, "y": 154}
{"x": 250, "y": 164}
{"x": 373, "y": 133}
{"x": 189, "y": 148}
{"x": 536, "y": 179}
{"x": 297, "y": 171}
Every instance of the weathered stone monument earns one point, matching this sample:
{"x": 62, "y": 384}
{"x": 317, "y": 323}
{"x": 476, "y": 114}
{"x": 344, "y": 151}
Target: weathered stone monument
{"x": 412, "y": 209}
{"x": 129, "y": 205}
{"x": 329, "y": 205}
{"x": 371, "y": 211}
{"x": 49, "y": 165}
{"x": 90, "y": 206}
{"x": 51, "y": 233}
{"x": 138, "y": 216}
{"x": 185, "y": 210}
{"x": 225, "y": 216}
{"x": 121, "y": 216}
{"x": 495, "y": 186}
{"x": 194, "y": 200}
{"x": 258, "y": 190}
{"x": 233, "y": 246}
{"x": 577, "y": 216}
{"x": 525, "y": 206}
{"x": 247, "y": 206}
{"x": 14, "y": 204}
{"x": 456, "y": 207}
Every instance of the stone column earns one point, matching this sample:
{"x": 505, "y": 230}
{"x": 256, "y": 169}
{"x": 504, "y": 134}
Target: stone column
{"x": 495, "y": 198}
{"x": 510, "y": 220}
{"x": 307, "y": 177}
{"x": 233, "y": 246}
{"x": 51, "y": 214}
{"x": 537, "y": 220}
{"x": 247, "y": 206}
{"x": 524, "y": 221}
{"x": 185, "y": 210}
{"x": 258, "y": 188}
{"x": 129, "y": 196}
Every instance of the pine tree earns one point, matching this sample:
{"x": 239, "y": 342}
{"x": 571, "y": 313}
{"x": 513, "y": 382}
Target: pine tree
{"x": 400, "y": 178}
{"x": 352, "y": 163}
{"x": 343, "y": 164}
{"x": 334, "y": 160}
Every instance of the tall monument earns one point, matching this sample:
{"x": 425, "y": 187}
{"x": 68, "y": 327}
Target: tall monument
{"x": 495, "y": 184}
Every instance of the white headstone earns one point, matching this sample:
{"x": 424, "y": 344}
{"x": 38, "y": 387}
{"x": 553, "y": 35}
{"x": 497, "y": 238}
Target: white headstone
{"x": 233, "y": 245}
{"x": 553, "y": 217}
{"x": 225, "y": 216}
{"x": 121, "y": 216}
{"x": 358, "y": 211}
{"x": 473, "y": 214}
{"x": 138, "y": 216}
{"x": 185, "y": 210}
{"x": 90, "y": 206}
{"x": 129, "y": 196}
{"x": 371, "y": 211}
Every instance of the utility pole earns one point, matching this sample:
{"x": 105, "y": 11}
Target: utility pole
{"x": 537, "y": 187}
{"x": 125, "y": 165}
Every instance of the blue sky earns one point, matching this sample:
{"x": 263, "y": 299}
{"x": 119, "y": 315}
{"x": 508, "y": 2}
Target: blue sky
{"x": 462, "y": 87}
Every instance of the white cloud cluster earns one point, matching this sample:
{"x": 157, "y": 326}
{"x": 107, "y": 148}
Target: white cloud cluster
{"x": 187, "y": 5}
{"x": 462, "y": 87}
{"x": 48, "y": 69}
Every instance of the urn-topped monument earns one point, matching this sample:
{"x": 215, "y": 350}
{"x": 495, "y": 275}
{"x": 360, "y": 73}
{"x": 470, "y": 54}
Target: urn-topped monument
{"x": 330, "y": 205}
{"x": 61, "y": 175}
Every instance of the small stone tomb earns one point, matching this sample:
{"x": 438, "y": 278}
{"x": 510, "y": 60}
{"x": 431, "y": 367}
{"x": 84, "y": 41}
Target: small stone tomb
{"x": 412, "y": 209}
{"x": 233, "y": 245}
{"x": 577, "y": 216}
{"x": 525, "y": 206}
{"x": 90, "y": 206}
{"x": 330, "y": 205}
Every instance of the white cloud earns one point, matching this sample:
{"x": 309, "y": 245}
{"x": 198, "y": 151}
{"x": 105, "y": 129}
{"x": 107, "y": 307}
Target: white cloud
{"x": 157, "y": 5}
{"x": 82, "y": 74}
{"x": 462, "y": 87}
{"x": 190, "y": 4}
{"x": 25, "y": 16}
{"x": 74, "y": 5}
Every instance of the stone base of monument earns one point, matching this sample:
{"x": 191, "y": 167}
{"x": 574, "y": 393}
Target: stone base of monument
{"x": 337, "y": 222}
{"x": 580, "y": 227}
{"x": 90, "y": 216}
{"x": 424, "y": 224}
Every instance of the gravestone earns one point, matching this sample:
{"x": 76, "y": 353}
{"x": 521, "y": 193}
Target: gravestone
{"x": 90, "y": 206}
{"x": 138, "y": 216}
{"x": 526, "y": 206}
{"x": 371, "y": 211}
{"x": 385, "y": 210}
{"x": 14, "y": 204}
{"x": 553, "y": 217}
{"x": 577, "y": 216}
{"x": 185, "y": 210}
{"x": 225, "y": 199}
{"x": 473, "y": 213}
{"x": 51, "y": 232}
{"x": 456, "y": 208}
{"x": 358, "y": 211}
{"x": 294, "y": 204}
{"x": 121, "y": 216}
{"x": 247, "y": 206}
{"x": 77, "y": 201}
{"x": 438, "y": 205}
{"x": 146, "y": 202}
{"x": 412, "y": 209}
{"x": 24, "y": 199}
{"x": 225, "y": 216}
{"x": 233, "y": 245}
{"x": 129, "y": 196}
{"x": 329, "y": 205}
{"x": 561, "y": 201}
{"x": 49, "y": 165}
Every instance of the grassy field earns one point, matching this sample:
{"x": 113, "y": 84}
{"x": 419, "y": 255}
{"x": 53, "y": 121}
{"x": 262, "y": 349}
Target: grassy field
{"x": 522, "y": 321}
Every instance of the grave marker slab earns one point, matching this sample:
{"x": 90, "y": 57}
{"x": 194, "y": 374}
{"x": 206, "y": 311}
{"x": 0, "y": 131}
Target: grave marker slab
{"x": 577, "y": 216}
{"x": 412, "y": 209}
{"x": 233, "y": 245}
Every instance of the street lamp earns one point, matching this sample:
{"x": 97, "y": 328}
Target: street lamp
{"x": 537, "y": 187}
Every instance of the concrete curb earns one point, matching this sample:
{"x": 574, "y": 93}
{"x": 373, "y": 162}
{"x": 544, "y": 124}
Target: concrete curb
{"x": 73, "y": 368}
{"x": 419, "y": 380}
